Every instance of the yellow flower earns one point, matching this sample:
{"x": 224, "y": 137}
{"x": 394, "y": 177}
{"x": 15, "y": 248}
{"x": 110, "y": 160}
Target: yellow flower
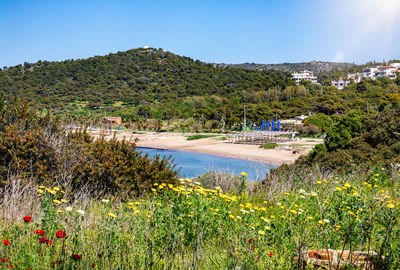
{"x": 261, "y": 232}
{"x": 390, "y": 205}
{"x": 56, "y": 188}
{"x": 42, "y": 187}
{"x": 40, "y": 191}
{"x": 112, "y": 215}
{"x": 243, "y": 174}
{"x": 338, "y": 188}
{"x": 60, "y": 211}
{"x": 39, "y": 195}
{"x": 64, "y": 201}
{"x": 319, "y": 182}
{"x": 347, "y": 185}
{"x": 56, "y": 201}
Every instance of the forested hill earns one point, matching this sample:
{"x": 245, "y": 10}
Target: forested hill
{"x": 315, "y": 66}
{"x": 133, "y": 77}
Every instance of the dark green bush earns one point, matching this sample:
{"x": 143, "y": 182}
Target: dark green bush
{"x": 37, "y": 147}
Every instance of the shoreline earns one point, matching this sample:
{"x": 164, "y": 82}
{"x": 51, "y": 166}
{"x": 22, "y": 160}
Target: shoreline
{"x": 214, "y": 146}
{"x": 226, "y": 155}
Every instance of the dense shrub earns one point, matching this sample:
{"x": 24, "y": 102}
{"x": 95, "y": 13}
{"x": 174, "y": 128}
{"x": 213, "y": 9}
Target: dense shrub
{"x": 322, "y": 121}
{"x": 355, "y": 142}
{"x": 37, "y": 147}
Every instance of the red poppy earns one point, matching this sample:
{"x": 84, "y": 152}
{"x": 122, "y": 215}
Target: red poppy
{"x": 43, "y": 240}
{"x": 27, "y": 219}
{"x": 258, "y": 258}
{"x": 270, "y": 254}
{"x": 253, "y": 248}
{"x": 39, "y": 232}
{"x": 5, "y": 260}
{"x": 60, "y": 234}
{"x": 76, "y": 257}
{"x": 250, "y": 240}
{"x": 6, "y": 242}
{"x": 93, "y": 265}
{"x": 49, "y": 242}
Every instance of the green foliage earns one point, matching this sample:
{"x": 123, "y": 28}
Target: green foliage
{"x": 322, "y": 121}
{"x": 199, "y": 136}
{"x": 35, "y": 146}
{"x": 342, "y": 132}
{"x": 268, "y": 146}
{"x": 150, "y": 83}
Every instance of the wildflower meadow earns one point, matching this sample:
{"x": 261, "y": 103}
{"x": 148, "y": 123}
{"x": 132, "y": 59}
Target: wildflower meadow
{"x": 185, "y": 226}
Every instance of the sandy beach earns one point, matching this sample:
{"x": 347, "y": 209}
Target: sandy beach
{"x": 216, "y": 146}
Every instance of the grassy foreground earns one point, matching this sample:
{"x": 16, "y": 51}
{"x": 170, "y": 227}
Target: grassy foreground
{"x": 186, "y": 226}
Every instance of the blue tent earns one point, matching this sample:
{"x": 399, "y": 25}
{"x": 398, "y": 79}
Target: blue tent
{"x": 279, "y": 125}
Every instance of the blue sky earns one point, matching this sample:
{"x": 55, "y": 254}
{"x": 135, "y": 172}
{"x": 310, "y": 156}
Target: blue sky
{"x": 222, "y": 31}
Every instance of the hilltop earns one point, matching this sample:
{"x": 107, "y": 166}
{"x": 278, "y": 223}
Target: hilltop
{"x": 150, "y": 83}
{"x": 135, "y": 77}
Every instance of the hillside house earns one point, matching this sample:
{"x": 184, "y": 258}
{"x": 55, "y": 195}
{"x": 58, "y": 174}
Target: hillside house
{"x": 304, "y": 75}
{"x": 116, "y": 121}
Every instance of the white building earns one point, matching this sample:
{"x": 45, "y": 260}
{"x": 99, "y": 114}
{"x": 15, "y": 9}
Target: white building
{"x": 341, "y": 83}
{"x": 304, "y": 75}
{"x": 368, "y": 73}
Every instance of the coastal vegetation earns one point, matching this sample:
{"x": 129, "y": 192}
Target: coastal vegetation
{"x": 199, "y": 136}
{"x": 269, "y": 145}
{"x": 72, "y": 201}
{"x": 184, "y": 94}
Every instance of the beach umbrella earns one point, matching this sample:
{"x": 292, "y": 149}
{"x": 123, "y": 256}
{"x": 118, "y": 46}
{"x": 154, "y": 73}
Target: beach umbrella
{"x": 262, "y": 125}
{"x": 267, "y": 125}
{"x": 279, "y": 125}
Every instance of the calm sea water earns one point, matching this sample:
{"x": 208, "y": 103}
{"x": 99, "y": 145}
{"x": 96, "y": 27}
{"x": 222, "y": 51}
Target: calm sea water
{"x": 195, "y": 164}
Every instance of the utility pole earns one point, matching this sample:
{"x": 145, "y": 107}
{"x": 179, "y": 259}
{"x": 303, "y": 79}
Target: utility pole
{"x": 244, "y": 117}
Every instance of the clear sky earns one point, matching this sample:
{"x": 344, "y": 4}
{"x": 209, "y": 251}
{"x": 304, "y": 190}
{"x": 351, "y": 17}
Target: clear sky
{"x": 222, "y": 31}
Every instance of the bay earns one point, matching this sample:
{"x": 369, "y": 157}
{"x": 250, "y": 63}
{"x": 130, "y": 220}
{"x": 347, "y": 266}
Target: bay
{"x": 193, "y": 164}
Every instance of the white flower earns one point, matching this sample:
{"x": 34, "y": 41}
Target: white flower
{"x": 301, "y": 191}
{"x": 105, "y": 201}
{"x": 81, "y": 212}
{"x": 326, "y": 220}
{"x": 69, "y": 209}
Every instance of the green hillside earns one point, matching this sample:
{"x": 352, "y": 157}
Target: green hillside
{"x": 150, "y": 83}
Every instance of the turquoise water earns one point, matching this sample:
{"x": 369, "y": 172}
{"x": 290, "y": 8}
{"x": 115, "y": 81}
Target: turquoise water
{"x": 195, "y": 164}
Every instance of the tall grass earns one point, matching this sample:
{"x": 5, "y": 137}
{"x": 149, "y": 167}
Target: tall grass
{"x": 186, "y": 226}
